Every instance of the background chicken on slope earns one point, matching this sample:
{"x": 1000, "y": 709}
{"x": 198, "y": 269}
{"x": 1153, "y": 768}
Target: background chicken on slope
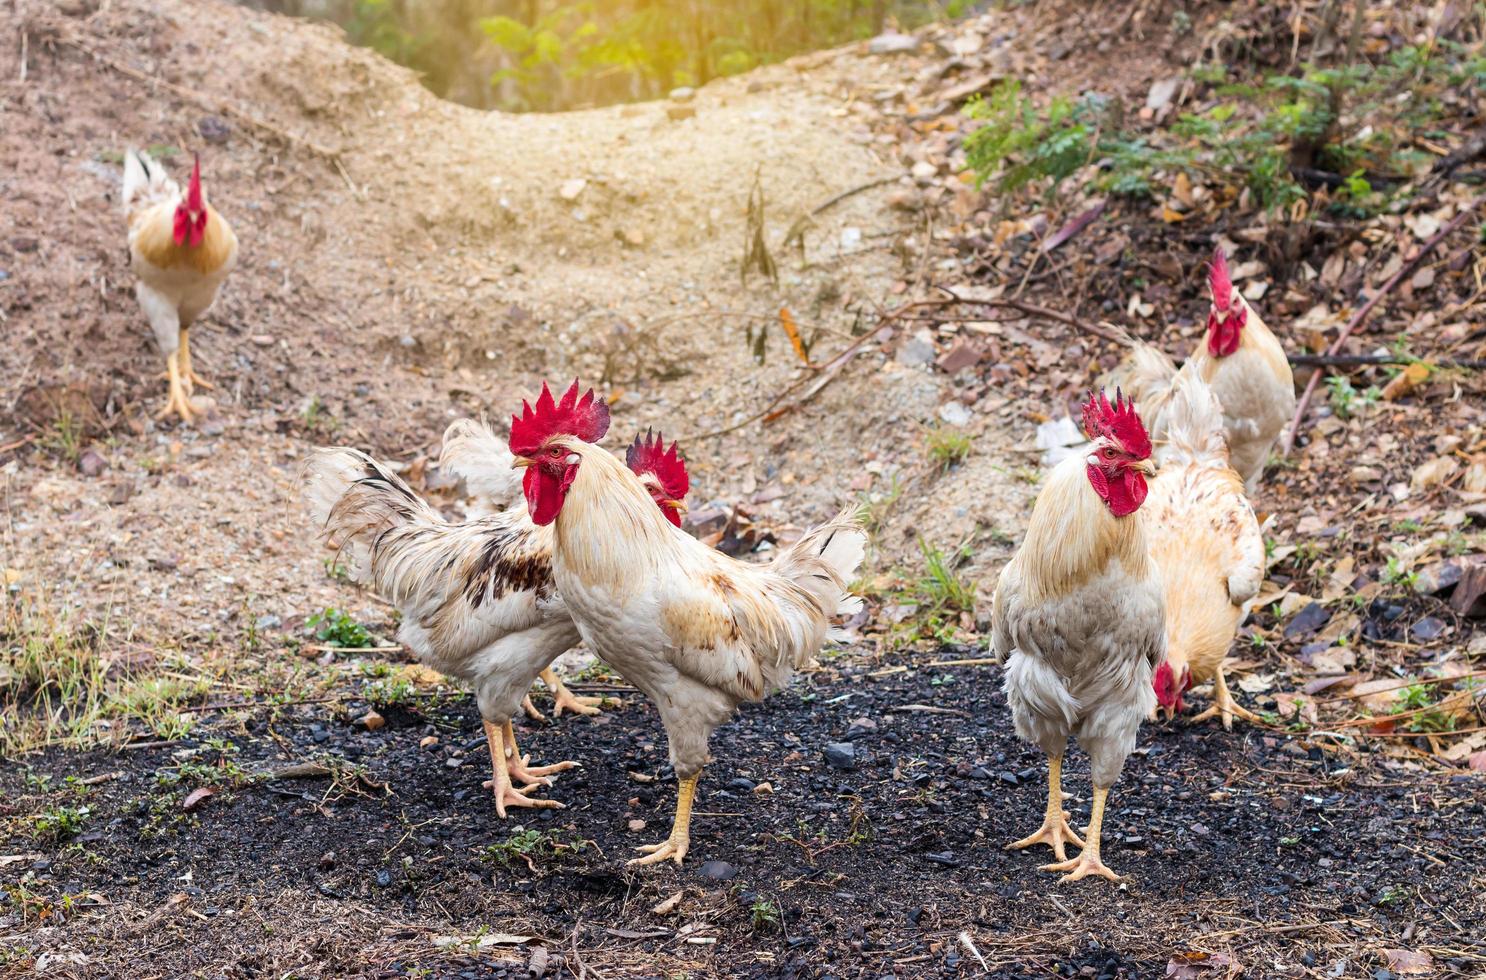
{"x": 476, "y": 597}
{"x": 1078, "y": 620}
{"x": 696, "y": 631}
{"x": 181, "y": 249}
{"x": 1244, "y": 364}
{"x": 1207, "y": 544}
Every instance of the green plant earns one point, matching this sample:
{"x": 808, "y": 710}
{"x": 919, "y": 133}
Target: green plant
{"x": 947, "y": 447}
{"x": 59, "y": 823}
{"x": 1396, "y": 573}
{"x": 338, "y": 629}
{"x": 765, "y": 915}
{"x": 531, "y": 846}
{"x": 1019, "y": 143}
{"x": 318, "y": 419}
{"x": 1345, "y": 399}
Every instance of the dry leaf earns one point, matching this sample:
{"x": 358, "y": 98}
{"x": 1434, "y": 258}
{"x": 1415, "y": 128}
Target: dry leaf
{"x": 1406, "y": 381}
{"x": 197, "y": 796}
{"x": 787, "y": 320}
{"x": 1435, "y": 471}
{"x": 1407, "y": 961}
{"x": 667, "y": 906}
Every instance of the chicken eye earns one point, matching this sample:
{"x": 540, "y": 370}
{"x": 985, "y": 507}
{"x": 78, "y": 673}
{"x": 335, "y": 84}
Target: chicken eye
{"x": 1109, "y": 453}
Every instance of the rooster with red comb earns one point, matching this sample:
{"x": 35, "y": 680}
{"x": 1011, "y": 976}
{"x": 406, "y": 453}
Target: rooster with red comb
{"x": 1243, "y": 363}
{"x": 182, "y": 250}
{"x": 1079, "y": 621}
{"x": 696, "y": 631}
{"x": 477, "y": 597}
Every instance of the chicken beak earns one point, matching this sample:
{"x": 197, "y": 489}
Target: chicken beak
{"x": 1147, "y": 467}
{"x": 521, "y": 463}
{"x": 676, "y": 505}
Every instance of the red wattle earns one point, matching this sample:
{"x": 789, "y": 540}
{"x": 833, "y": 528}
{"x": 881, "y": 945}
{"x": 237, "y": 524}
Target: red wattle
{"x": 544, "y": 495}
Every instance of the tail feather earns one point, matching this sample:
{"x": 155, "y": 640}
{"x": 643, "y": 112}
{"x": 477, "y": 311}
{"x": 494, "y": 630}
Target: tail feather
{"x": 145, "y": 182}
{"x": 483, "y": 459}
{"x": 354, "y": 501}
{"x": 826, "y": 559}
{"x": 1194, "y": 423}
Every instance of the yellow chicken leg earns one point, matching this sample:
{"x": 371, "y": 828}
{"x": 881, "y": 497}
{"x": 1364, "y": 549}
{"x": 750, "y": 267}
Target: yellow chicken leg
{"x": 1055, "y": 831}
{"x": 565, "y": 700}
{"x": 520, "y": 765}
{"x": 674, "y": 846}
{"x": 505, "y": 793}
{"x": 189, "y": 377}
{"x": 177, "y": 401}
{"x": 1088, "y": 863}
{"x": 1224, "y": 705}
{"x": 531, "y": 709}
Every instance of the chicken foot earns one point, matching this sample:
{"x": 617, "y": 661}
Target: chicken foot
{"x": 520, "y": 765}
{"x": 506, "y": 794}
{"x": 188, "y": 376}
{"x": 178, "y": 401}
{"x": 674, "y": 847}
{"x": 1055, "y": 831}
{"x": 565, "y": 700}
{"x": 1224, "y": 705}
{"x": 1088, "y": 863}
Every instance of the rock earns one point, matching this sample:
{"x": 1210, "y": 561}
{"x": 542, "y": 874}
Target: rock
{"x": 1437, "y": 577}
{"x": 955, "y": 414}
{"x": 681, "y": 111}
{"x": 959, "y": 357}
{"x": 851, "y": 237}
{"x": 917, "y": 352}
{"x": 1365, "y": 474}
{"x": 683, "y": 94}
{"x": 214, "y": 130}
{"x": 945, "y": 859}
{"x": 841, "y": 755}
{"x": 327, "y": 861}
{"x": 371, "y": 721}
{"x": 570, "y": 189}
{"x": 428, "y": 741}
{"x": 1469, "y": 597}
{"x": 91, "y": 463}
{"x": 892, "y": 42}
{"x": 636, "y": 826}
{"x": 1429, "y": 628}
{"x": 741, "y": 784}
{"x": 383, "y": 878}
{"x": 268, "y": 621}
{"x": 718, "y": 871}
{"x": 262, "y": 339}
{"x": 924, "y": 172}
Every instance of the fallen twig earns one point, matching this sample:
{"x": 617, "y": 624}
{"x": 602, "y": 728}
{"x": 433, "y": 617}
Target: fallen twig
{"x": 1361, "y": 315}
{"x": 1366, "y": 360}
{"x": 969, "y": 662}
{"x": 821, "y": 208}
{"x": 1352, "y": 696}
{"x": 929, "y": 709}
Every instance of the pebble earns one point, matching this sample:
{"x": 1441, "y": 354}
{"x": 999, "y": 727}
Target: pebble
{"x": 91, "y": 463}
{"x": 384, "y": 878}
{"x": 268, "y": 621}
{"x": 719, "y": 871}
{"x": 892, "y": 43}
{"x": 740, "y": 783}
{"x": 841, "y": 755}
{"x": 917, "y": 352}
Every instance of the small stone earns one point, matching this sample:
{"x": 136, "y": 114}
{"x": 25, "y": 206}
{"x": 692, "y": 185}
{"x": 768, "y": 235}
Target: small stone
{"x": 955, "y": 414}
{"x": 892, "y": 42}
{"x": 268, "y": 621}
{"x": 214, "y": 130}
{"x": 428, "y": 741}
{"x": 683, "y": 94}
{"x": 383, "y": 878}
{"x": 719, "y": 871}
{"x": 636, "y": 826}
{"x": 327, "y": 861}
{"x": 91, "y": 463}
{"x": 371, "y": 721}
{"x": 917, "y": 352}
{"x": 1429, "y": 628}
{"x": 962, "y": 355}
{"x": 676, "y": 113}
{"x": 841, "y": 755}
{"x": 570, "y": 189}
{"x": 741, "y": 784}
{"x": 924, "y": 172}
{"x": 1009, "y": 778}
{"x": 763, "y": 789}
{"x": 262, "y": 339}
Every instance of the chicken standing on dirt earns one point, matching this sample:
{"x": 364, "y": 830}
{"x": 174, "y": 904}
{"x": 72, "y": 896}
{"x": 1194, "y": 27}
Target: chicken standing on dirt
{"x": 475, "y": 454}
{"x": 181, "y": 249}
{"x": 1078, "y": 620}
{"x": 1206, "y": 542}
{"x": 477, "y": 598}
{"x": 1243, "y": 363}
{"x": 696, "y": 631}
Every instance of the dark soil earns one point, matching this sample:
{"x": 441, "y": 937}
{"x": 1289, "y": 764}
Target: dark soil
{"x": 1217, "y": 832}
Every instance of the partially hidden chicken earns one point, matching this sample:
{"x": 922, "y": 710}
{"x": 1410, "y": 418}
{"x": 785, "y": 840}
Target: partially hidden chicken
{"x": 1241, "y": 360}
{"x": 182, "y": 250}
{"x": 477, "y": 597}
{"x": 696, "y": 631}
{"x": 1206, "y": 541}
{"x": 1079, "y": 622}
{"x": 477, "y": 455}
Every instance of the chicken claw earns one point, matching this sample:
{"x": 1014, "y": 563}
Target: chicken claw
{"x": 188, "y": 376}
{"x": 565, "y": 700}
{"x": 520, "y": 766}
{"x": 675, "y": 846}
{"x": 507, "y": 794}
{"x": 1055, "y": 831}
{"x": 1224, "y": 705}
{"x": 1088, "y": 862}
{"x": 178, "y": 401}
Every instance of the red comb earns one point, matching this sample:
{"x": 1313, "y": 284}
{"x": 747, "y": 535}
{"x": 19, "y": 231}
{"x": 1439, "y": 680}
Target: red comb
{"x": 648, "y": 454}
{"x": 1219, "y": 281}
{"x": 1118, "y": 422}
{"x": 193, "y": 193}
{"x": 586, "y": 417}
